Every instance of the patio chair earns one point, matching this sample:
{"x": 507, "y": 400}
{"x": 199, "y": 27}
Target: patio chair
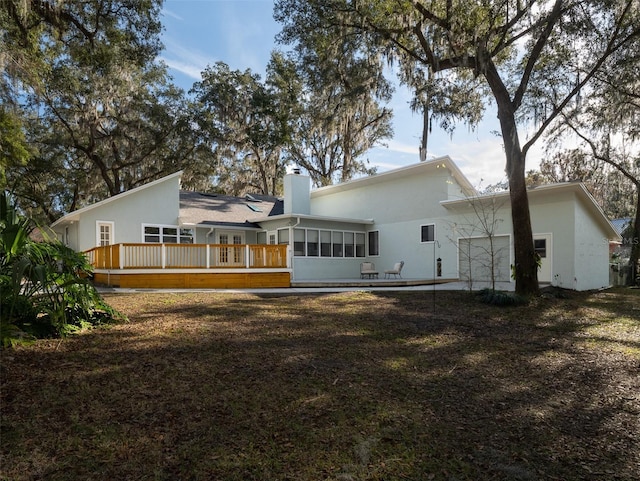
{"x": 397, "y": 269}
{"x": 368, "y": 269}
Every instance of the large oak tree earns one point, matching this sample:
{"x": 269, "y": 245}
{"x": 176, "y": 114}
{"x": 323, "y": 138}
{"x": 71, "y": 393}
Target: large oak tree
{"x": 99, "y": 113}
{"x": 532, "y": 57}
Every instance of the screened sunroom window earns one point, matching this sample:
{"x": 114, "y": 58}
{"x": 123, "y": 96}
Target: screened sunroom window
{"x": 298, "y": 242}
{"x": 325, "y": 243}
{"x": 360, "y": 244}
{"x": 336, "y": 238}
{"x": 312, "y": 243}
{"x": 349, "y": 244}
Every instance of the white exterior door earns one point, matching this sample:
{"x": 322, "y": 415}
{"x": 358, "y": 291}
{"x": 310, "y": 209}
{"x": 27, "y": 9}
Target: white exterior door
{"x": 231, "y": 256}
{"x": 104, "y": 233}
{"x": 543, "y": 247}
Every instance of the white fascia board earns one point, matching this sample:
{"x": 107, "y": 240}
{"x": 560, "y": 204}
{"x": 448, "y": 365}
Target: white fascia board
{"x": 223, "y": 227}
{"x": 314, "y": 217}
{"x": 576, "y": 187}
{"x": 406, "y": 171}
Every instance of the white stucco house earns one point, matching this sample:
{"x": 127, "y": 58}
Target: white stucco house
{"x": 427, "y": 215}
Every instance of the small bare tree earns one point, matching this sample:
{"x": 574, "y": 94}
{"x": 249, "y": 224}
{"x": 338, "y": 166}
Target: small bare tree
{"x": 482, "y": 223}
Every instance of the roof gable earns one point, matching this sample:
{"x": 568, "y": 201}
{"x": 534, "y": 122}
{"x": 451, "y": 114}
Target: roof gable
{"x": 75, "y": 215}
{"x": 542, "y": 191}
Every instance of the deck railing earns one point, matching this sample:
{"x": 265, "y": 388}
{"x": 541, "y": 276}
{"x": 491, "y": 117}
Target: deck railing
{"x": 188, "y": 256}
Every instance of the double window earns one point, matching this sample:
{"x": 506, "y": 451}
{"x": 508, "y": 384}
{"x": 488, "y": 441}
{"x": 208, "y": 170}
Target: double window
{"x": 167, "y": 234}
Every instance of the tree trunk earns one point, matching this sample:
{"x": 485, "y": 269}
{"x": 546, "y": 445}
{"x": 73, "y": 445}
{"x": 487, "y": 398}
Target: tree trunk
{"x": 525, "y": 261}
{"x": 635, "y": 241}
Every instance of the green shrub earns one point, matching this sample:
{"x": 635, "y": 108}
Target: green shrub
{"x": 500, "y": 298}
{"x": 44, "y": 289}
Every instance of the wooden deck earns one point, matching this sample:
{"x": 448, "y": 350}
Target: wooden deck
{"x": 193, "y": 280}
{"x": 191, "y": 266}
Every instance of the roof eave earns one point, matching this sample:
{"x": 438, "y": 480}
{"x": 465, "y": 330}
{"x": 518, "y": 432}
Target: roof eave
{"x": 343, "y": 220}
{"x": 75, "y": 215}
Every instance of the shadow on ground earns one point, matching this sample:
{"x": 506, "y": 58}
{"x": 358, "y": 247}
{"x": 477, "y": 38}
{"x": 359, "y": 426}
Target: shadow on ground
{"x": 347, "y": 386}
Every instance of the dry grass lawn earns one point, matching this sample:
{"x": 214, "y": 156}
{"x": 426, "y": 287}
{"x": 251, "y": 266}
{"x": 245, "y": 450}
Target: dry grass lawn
{"x": 349, "y": 386}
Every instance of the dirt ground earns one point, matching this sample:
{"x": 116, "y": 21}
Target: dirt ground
{"x": 347, "y": 386}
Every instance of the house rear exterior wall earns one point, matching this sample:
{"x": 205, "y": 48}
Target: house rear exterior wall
{"x": 399, "y": 207}
{"x": 401, "y": 199}
{"x": 591, "y": 253}
{"x": 555, "y": 214}
{"x": 579, "y": 247}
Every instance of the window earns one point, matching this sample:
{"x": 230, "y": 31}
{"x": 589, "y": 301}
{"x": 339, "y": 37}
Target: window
{"x": 374, "y": 243}
{"x": 283, "y": 236}
{"x": 167, "y": 234}
{"x": 104, "y": 233}
{"x": 186, "y": 236}
{"x": 312, "y": 243}
{"x": 427, "y": 233}
{"x": 337, "y": 244}
{"x": 170, "y": 235}
{"x": 540, "y": 246}
{"x": 325, "y": 243}
{"x": 152, "y": 234}
{"x": 349, "y": 250}
{"x": 261, "y": 238}
{"x": 298, "y": 242}
{"x": 360, "y": 244}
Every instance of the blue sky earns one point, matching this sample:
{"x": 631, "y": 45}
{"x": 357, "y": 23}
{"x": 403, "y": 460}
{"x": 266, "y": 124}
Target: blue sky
{"x": 241, "y": 34}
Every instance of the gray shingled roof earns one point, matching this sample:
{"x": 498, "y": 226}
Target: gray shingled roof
{"x": 198, "y": 208}
{"x": 621, "y": 224}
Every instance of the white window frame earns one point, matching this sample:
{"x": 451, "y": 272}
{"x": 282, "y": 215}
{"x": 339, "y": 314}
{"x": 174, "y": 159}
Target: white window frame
{"x": 161, "y": 234}
{"x": 112, "y": 231}
{"x": 304, "y": 244}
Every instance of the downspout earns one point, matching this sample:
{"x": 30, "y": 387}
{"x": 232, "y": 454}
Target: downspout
{"x": 293, "y": 271}
{"x": 208, "y": 255}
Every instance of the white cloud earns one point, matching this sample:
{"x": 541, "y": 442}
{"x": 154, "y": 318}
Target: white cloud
{"x": 168, "y": 13}
{"x": 188, "y": 69}
{"x": 189, "y": 61}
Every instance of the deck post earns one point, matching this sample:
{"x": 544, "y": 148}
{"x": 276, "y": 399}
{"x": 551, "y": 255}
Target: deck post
{"x": 247, "y": 260}
{"x": 164, "y": 256}
{"x": 208, "y": 255}
{"x": 121, "y": 255}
